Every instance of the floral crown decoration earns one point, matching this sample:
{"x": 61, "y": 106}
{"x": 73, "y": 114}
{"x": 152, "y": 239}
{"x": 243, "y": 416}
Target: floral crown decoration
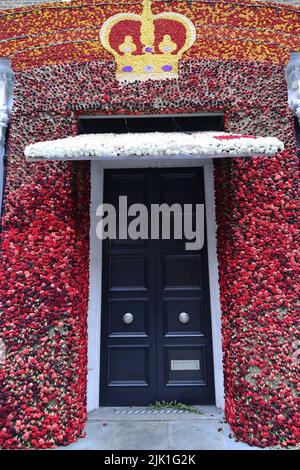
{"x": 147, "y": 45}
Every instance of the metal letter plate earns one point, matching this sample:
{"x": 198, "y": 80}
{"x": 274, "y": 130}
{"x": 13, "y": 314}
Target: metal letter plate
{"x": 185, "y": 365}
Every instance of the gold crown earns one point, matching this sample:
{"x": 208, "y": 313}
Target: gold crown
{"x": 147, "y": 46}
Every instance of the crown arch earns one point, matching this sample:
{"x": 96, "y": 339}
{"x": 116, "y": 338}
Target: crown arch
{"x": 147, "y": 46}
{"x": 235, "y": 66}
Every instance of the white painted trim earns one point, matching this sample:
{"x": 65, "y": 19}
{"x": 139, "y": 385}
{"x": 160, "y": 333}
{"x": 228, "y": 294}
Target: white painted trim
{"x": 292, "y": 73}
{"x": 7, "y": 80}
{"x": 215, "y": 304}
{"x": 94, "y": 308}
{"x": 94, "y": 311}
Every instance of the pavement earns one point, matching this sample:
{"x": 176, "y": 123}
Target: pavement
{"x": 142, "y": 428}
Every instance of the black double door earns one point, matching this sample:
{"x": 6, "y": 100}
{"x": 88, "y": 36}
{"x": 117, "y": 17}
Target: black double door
{"x": 156, "y": 330}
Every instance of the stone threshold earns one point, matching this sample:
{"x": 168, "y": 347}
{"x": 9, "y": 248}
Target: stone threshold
{"x": 144, "y": 413}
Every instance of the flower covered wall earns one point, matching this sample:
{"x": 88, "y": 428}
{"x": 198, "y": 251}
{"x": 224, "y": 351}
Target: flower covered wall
{"x": 237, "y": 66}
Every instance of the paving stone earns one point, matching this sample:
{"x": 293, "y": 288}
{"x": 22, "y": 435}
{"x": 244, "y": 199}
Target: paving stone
{"x": 109, "y": 431}
{"x": 141, "y": 435}
{"x": 99, "y": 436}
{"x": 195, "y": 436}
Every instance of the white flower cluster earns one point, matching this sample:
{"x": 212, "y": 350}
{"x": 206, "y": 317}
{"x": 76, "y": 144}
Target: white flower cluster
{"x": 152, "y": 145}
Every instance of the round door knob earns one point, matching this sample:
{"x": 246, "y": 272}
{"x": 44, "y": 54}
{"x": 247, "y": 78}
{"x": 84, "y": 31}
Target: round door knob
{"x": 184, "y": 317}
{"x": 128, "y": 318}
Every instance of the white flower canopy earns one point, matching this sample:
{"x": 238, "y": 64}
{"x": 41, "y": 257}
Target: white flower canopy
{"x": 153, "y": 145}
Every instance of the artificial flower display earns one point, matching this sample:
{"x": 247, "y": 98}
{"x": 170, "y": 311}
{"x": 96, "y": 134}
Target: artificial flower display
{"x": 237, "y": 66}
{"x": 153, "y": 144}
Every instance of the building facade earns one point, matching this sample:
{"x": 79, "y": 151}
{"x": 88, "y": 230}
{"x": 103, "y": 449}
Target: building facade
{"x": 74, "y": 64}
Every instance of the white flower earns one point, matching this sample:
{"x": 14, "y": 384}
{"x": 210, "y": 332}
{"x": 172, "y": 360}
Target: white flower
{"x": 152, "y": 144}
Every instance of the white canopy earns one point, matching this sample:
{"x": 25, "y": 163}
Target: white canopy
{"x": 153, "y": 145}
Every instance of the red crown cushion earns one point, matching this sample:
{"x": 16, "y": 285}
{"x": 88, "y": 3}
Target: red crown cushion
{"x": 162, "y": 26}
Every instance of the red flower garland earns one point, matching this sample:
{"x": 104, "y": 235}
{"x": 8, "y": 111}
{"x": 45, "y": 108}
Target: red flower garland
{"x": 45, "y": 243}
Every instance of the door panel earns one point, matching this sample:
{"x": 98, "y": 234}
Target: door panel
{"x": 121, "y": 266}
{"x": 128, "y": 366}
{"x": 156, "y": 329}
{"x": 188, "y": 365}
{"x": 181, "y": 272}
{"x": 117, "y": 326}
{"x": 172, "y": 308}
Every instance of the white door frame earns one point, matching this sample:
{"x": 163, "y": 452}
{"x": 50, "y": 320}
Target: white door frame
{"x": 95, "y": 291}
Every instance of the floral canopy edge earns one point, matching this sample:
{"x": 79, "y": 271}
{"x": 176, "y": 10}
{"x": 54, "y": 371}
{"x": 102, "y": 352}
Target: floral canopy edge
{"x": 153, "y": 145}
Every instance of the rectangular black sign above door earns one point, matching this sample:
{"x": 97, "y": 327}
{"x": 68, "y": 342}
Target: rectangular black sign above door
{"x": 156, "y": 329}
